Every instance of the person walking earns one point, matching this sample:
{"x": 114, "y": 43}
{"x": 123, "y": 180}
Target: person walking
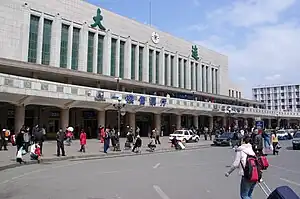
{"x": 240, "y": 162}
{"x": 3, "y": 139}
{"x": 82, "y": 138}
{"x": 60, "y": 137}
{"x": 106, "y": 140}
{"x": 39, "y": 137}
{"x": 275, "y": 143}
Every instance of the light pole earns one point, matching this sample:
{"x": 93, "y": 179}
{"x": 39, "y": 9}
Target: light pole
{"x": 229, "y": 113}
{"x": 119, "y": 106}
{"x": 118, "y": 83}
{"x": 277, "y": 120}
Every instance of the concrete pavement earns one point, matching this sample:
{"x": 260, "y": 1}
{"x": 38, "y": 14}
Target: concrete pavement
{"x": 93, "y": 149}
{"x": 189, "y": 174}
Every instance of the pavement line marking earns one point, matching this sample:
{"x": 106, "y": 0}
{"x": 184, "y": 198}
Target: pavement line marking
{"x": 285, "y": 169}
{"x": 37, "y": 171}
{"x": 155, "y": 166}
{"x": 291, "y": 182}
{"x": 160, "y": 192}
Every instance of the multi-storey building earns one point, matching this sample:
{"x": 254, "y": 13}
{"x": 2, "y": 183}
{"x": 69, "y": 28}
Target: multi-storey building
{"x": 64, "y": 62}
{"x": 279, "y": 97}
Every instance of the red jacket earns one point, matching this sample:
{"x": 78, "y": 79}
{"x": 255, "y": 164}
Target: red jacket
{"x": 37, "y": 151}
{"x": 82, "y": 138}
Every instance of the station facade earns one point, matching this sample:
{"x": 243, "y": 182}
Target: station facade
{"x": 64, "y": 63}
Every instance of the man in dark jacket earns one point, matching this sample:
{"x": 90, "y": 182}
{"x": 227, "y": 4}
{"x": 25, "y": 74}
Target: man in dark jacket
{"x": 257, "y": 142}
{"x": 38, "y": 137}
{"x": 60, "y": 137}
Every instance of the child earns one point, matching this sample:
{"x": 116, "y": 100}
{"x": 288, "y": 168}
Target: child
{"x": 82, "y": 141}
{"x": 35, "y": 152}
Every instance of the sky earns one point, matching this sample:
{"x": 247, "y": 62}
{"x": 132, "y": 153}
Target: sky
{"x": 260, "y": 37}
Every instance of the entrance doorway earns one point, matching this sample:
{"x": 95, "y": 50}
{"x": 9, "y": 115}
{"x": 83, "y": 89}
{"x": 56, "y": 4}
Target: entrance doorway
{"x": 90, "y": 127}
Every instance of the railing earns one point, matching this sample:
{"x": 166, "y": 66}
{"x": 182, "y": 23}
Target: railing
{"x": 81, "y": 93}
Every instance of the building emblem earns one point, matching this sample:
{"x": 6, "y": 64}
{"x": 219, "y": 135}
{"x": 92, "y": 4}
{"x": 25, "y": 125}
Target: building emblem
{"x": 98, "y": 20}
{"x": 99, "y": 96}
{"x": 155, "y": 37}
{"x": 195, "y": 52}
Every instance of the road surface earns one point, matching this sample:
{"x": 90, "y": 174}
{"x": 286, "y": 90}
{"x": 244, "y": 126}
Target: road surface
{"x": 185, "y": 174}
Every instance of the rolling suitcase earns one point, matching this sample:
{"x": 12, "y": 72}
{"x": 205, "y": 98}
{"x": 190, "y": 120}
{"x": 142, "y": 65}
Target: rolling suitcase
{"x": 282, "y": 192}
{"x": 181, "y": 145}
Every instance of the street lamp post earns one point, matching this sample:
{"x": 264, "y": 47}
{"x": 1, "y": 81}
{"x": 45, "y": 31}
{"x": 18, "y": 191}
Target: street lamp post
{"x": 229, "y": 113}
{"x": 119, "y": 106}
{"x": 277, "y": 120}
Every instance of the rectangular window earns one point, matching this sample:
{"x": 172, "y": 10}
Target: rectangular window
{"x": 184, "y": 73}
{"x": 203, "y": 79}
{"x": 212, "y": 80}
{"x": 197, "y": 76}
{"x": 206, "y": 79}
{"x": 172, "y": 70}
{"x": 133, "y": 50}
{"x": 46, "y": 42}
{"x": 75, "y": 48}
{"x": 90, "y": 54}
{"x": 216, "y": 80}
{"x": 33, "y": 38}
{"x": 141, "y": 53}
{"x": 121, "y": 59}
{"x": 157, "y": 68}
{"x": 150, "y": 66}
{"x": 179, "y": 72}
{"x": 64, "y": 46}
{"x": 100, "y": 54}
{"x": 192, "y": 75}
{"x": 113, "y": 57}
{"x": 166, "y": 68}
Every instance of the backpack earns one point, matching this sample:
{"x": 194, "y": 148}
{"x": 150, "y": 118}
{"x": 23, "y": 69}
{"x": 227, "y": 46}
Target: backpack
{"x": 263, "y": 162}
{"x": 252, "y": 170}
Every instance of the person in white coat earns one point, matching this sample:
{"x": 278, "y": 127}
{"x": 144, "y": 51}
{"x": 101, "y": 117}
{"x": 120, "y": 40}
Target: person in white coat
{"x": 246, "y": 187}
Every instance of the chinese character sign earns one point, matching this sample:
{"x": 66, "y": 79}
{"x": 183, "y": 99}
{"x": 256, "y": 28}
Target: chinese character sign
{"x": 163, "y": 102}
{"x": 142, "y": 100}
{"x": 129, "y": 99}
{"x": 152, "y": 101}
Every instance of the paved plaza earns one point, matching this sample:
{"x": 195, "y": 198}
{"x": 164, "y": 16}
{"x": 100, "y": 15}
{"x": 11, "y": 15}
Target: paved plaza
{"x": 93, "y": 149}
{"x": 189, "y": 174}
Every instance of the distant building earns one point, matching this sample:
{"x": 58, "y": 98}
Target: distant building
{"x": 279, "y": 97}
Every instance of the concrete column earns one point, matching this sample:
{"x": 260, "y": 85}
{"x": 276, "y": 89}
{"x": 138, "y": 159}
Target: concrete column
{"x": 127, "y": 57}
{"x": 25, "y": 33}
{"x": 157, "y": 120}
{"x": 178, "y": 121}
{"x": 146, "y": 63}
{"x": 55, "y": 41}
{"x": 162, "y": 67}
{"x": 175, "y": 71}
{"x": 224, "y": 121}
{"x": 101, "y": 118}
{"x": 278, "y": 123}
{"x": 70, "y": 44}
{"x": 269, "y": 123}
{"x": 40, "y": 40}
{"x": 95, "y": 52}
{"x": 132, "y": 121}
{"x": 106, "y": 53}
{"x": 64, "y": 118}
{"x": 19, "y": 117}
{"x": 211, "y": 123}
{"x": 83, "y": 48}
{"x": 196, "y": 121}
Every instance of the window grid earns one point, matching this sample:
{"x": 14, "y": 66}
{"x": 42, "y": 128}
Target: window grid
{"x": 166, "y": 69}
{"x": 141, "y": 53}
{"x": 90, "y": 54}
{"x": 157, "y": 68}
{"x": 172, "y": 70}
{"x": 197, "y": 76}
{"x": 179, "y": 71}
{"x": 75, "y": 48}
{"x": 216, "y": 80}
{"x": 133, "y": 50}
{"x": 33, "y": 38}
{"x": 150, "y": 66}
{"x": 206, "y": 72}
{"x": 100, "y": 54}
{"x": 122, "y": 57}
{"x": 184, "y": 73}
{"x": 212, "y": 81}
{"x": 192, "y": 75}
{"x": 113, "y": 57}
{"x": 64, "y": 46}
{"x": 46, "y": 42}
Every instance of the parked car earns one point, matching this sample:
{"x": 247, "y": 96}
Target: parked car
{"x": 296, "y": 141}
{"x": 282, "y": 135}
{"x": 224, "y": 139}
{"x": 184, "y": 136}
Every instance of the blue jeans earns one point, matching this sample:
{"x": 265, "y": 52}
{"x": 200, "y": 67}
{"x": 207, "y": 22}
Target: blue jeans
{"x": 246, "y": 189}
{"x": 267, "y": 142}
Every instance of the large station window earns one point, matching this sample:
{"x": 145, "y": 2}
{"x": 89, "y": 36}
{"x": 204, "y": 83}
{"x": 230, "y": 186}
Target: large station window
{"x": 113, "y": 57}
{"x": 64, "y": 46}
{"x": 75, "y": 48}
{"x": 100, "y": 54}
{"x": 46, "y": 42}
{"x": 90, "y": 54}
{"x": 33, "y": 38}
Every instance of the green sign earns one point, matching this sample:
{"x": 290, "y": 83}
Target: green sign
{"x": 98, "y": 20}
{"x": 195, "y": 52}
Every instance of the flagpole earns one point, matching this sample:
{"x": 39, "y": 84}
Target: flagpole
{"x": 150, "y": 13}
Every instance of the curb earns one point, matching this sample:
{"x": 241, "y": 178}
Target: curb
{"x": 99, "y": 156}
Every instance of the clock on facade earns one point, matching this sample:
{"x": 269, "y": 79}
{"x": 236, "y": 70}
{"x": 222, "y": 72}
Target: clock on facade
{"x": 155, "y": 37}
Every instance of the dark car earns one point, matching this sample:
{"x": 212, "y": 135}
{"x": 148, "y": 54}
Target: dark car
{"x": 296, "y": 141}
{"x": 224, "y": 139}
